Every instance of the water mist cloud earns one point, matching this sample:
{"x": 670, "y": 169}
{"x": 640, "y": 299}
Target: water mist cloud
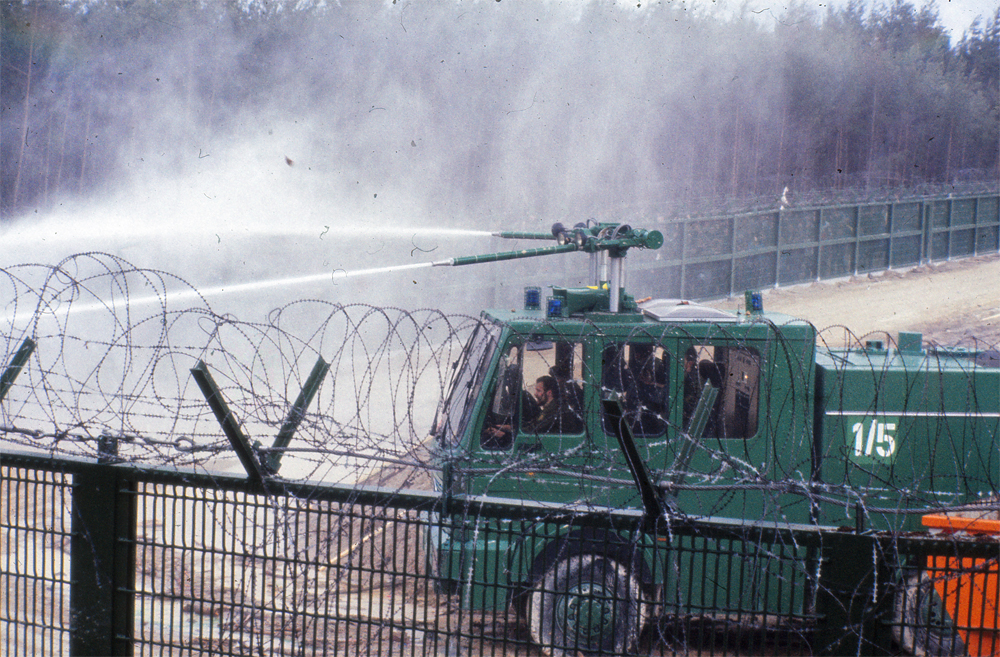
{"x": 262, "y": 142}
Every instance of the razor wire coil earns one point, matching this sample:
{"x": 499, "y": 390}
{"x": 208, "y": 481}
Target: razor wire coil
{"x": 115, "y": 348}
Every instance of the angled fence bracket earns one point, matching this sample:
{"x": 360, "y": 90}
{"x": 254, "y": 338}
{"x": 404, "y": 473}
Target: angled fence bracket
{"x": 230, "y": 426}
{"x": 16, "y": 363}
{"x": 296, "y": 413}
{"x": 654, "y": 508}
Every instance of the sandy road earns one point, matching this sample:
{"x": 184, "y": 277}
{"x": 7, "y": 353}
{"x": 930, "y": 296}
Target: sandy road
{"x": 951, "y": 303}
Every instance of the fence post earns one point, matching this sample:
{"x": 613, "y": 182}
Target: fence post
{"x": 852, "y": 599}
{"x": 684, "y": 262}
{"x": 857, "y": 239}
{"x": 927, "y": 221}
{"x": 102, "y": 562}
{"x": 14, "y": 368}
{"x": 819, "y": 244}
{"x": 297, "y": 412}
{"x": 246, "y": 452}
{"x": 891, "y": 221}
{"x": 732, "y": 256}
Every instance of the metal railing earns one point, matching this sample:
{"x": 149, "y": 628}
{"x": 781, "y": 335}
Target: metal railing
{"x": 102, "y": 559}
{"x": 705, "y": 257}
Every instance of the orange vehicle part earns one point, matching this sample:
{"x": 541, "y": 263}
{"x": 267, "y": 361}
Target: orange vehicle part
{"x": 970, "y": 597}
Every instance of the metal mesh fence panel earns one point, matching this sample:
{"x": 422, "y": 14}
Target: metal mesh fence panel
{"x": 35, "y": 561}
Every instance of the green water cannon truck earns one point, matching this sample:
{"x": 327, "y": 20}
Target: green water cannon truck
{"x": 741, "y": 416}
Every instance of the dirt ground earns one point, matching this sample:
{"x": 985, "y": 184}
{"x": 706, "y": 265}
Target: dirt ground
{"x": 951, "y": 303}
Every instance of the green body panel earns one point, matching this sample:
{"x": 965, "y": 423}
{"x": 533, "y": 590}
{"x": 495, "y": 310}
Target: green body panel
{"x": 705, "y": 574}
{"x": 491, "y": 561}
{"x": 479, "y": 564}
{"x": 925, "y": 423}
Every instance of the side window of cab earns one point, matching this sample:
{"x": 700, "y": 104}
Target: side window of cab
{"x": 639, "y": 374}
{"x": 508, "y": 405}
{"x": 734, "y": 370}
{"x": 538, "y": 390}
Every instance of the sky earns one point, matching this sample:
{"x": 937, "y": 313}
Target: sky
{"x": 955, "y": 15}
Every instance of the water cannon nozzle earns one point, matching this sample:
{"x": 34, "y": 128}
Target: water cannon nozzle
{"x": 560, "y": 233}
{"x": 652, "y": 239}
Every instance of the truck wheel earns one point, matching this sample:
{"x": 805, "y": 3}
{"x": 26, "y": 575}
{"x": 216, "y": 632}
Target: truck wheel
{"x": 923, "y": 626}
{"x": 586, "y": 603}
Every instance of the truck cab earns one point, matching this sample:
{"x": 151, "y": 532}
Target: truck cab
{"x": 587, "y": 400}
{"x": 525, "y": 419}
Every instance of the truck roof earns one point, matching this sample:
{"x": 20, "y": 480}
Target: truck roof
{"x": 907, "y": 355}
{"x": 655, "y": 312}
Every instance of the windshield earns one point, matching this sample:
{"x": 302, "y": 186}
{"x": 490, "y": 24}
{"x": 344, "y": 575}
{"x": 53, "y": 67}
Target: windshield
{"x": 470, "y": 372}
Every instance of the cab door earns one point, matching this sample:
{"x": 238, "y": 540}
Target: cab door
{"x": 637, "y": 370}
{"x": 754, "y": 441}
{"x": 532, "y": 441}
{"x": 730, "y": 445}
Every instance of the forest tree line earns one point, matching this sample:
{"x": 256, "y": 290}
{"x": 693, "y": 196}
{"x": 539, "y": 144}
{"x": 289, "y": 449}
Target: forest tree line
{"x": 529, "y": 106}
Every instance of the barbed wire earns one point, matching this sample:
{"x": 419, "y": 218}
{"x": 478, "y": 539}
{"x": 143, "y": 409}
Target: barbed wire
{"x": 114, "y": 348}
{"x": 781, "y": 193}
{"x": 115, "y": 345}
{"x": 110, "y": 377}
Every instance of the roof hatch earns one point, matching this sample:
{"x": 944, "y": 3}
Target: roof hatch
{"x": 678, "y": 310}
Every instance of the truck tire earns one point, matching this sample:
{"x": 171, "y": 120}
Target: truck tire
{"x": 589, "y": 604}
{"x": 922, "y": 625}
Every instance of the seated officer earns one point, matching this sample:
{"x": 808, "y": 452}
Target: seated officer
{"x": 556, "y": 415}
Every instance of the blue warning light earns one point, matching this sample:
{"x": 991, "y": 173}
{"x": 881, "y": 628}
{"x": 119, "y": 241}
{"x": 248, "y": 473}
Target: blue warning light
{"x": 532, "y": 298}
